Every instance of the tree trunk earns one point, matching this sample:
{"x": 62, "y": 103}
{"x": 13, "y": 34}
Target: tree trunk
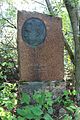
{"x": 75, "y": 23}
{"x": 67, "y": 47}
{"x": 73, "y": 14}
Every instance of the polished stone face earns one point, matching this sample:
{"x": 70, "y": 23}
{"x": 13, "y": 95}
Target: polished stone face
{"x": 34, "y": 32}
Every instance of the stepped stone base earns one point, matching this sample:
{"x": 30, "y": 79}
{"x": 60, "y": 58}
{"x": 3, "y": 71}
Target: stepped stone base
{"x": 56, "y": 87}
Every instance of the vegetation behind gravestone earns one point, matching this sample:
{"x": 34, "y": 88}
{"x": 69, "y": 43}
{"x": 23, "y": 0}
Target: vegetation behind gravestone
{"x": 65, "y": 105}
{"x": 8, "y": 47}
{"x": 8, "y": 62}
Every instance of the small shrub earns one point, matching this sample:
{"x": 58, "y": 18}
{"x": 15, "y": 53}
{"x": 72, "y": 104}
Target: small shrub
{"x": 36, "y": 107}
{"x": 8, "y": 101}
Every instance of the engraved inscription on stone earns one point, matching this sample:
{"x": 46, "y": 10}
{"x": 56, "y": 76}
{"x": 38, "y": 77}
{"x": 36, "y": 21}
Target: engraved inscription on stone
{"x": 40, "y": 68}
{"x": 34, "y": 31}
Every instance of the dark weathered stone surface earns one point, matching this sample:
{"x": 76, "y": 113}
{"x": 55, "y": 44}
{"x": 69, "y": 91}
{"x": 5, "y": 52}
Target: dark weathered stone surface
{"x": 31, "y": 86}
{"x": 56, "y": 87}
{"x": 44, "y": 62}
{"x": 62, "y": 112}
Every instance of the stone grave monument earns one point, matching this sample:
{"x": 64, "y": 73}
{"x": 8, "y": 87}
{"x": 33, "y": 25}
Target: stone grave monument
{"x": 40, "y": 49}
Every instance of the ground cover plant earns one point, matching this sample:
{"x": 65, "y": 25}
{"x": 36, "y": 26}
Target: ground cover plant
{"x": 38, "y": 105}
{"x": 64, "y": 107}
{"x": 8, "y": 101}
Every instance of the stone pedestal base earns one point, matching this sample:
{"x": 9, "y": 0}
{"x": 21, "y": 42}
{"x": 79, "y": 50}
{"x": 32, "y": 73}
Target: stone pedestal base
{"x": 56, "y": 87}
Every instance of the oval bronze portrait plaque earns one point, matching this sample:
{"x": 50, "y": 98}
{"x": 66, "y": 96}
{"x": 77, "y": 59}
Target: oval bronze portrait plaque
{"x": 34, "y": 32}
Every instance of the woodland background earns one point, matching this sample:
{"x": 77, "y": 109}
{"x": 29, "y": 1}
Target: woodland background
{"x": 69, "y": 11}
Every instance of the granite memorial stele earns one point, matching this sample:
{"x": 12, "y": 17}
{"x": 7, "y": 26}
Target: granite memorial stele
{"x": 40, "y": 47}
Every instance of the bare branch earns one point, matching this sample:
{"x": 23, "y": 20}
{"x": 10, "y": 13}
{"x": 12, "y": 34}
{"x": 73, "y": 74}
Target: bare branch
{"x": 65, "y": 41}
{"x": 39, "y": 3}
{"x": 10, "y": 23}
{"x": 69, "y": 51}
{"x": 49, "y": 6}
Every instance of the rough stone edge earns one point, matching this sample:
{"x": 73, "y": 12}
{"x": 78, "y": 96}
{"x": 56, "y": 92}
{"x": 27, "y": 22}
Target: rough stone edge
{"x": 56, "y": 87}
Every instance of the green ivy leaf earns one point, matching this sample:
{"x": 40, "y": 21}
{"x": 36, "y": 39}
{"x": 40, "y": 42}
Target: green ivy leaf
{"x": 46, "y": 106}
{"x": 67, "y": 117}
{"x": 50, "y": 110}
{"x": 39, "y": 97}
{"x": 49, "y": 102}
{"x": 20, "y": 118}
{"x": 21, "y": 112}
{"x": 37, "y": 111}
{"x": 25, "y": 98}
{"x": 71, "y": 108}
{"x": 29, "y": 114}
{"x": 74, "y": 92}
{"x": 47, "y": 117}
{"x": 77, "y": 113}
{"x": 66, "y": 92}
{"x": 4, "y": 63}
{"x": 48, "y": 94}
